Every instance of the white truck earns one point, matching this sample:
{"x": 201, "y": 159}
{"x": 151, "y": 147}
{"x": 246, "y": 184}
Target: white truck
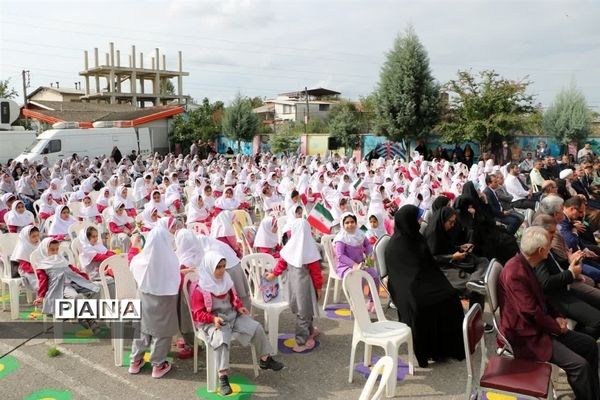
{"x": 14, "y": 141}
{"x": 62, "y": 143}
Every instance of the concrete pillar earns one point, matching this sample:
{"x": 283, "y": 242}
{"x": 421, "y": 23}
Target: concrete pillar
{"x": 164, "y": 65}
{"x": 133, "y": 80}
{"x": 157, "y": 79}
{"x": 87, "y": 77}
{"x": 179, "y": 77}
{"x": 118, "y": 58}
{"x": 96, "y": 64}
{"x": 111, "y": 74}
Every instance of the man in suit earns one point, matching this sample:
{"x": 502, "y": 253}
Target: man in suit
{"x": 557, "y": 279}
{"x": 535, "y": 330}
{"x": 505, "y": 217}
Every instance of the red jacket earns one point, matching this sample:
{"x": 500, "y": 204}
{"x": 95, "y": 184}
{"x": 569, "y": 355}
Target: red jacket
{"x": 199, "y": 311}
{"x": 43, "y": 279}
{"x": 527, "y": 320}
{"x": 314, "y": 269}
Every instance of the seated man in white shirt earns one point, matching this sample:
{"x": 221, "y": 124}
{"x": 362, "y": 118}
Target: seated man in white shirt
{"x": 537, "y": 180}
{"x": 522, "y": 197}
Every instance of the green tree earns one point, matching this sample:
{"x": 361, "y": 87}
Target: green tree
{"x": 285, "y": 140}
{"x": 344, "y": 125}
{"x": 568, "y": 118}
{"x": 368, "y": 113}
{"x": 407, "y": 98}
{"x": 482, "y": 110}
{"x": 6, "y": 90}
{"x": 239, "y": 121}
{"x": 204, "y": 122}
{"x": 256, "y": 102}
{"x": 166, "y": 87}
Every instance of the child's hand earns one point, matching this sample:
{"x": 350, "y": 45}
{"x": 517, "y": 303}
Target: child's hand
{"x": 270, "y": 276}
{"x": 187, "y": 270}
{"x": 244, "y": 311}
{"x": 38, "y": 301}
{"x": 218, "y": 321}
{"x": 136, "y": 241}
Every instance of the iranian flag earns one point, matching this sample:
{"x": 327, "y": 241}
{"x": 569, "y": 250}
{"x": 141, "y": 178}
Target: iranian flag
{"x": 320, "y": 218}
{"x": 357, "y": 183}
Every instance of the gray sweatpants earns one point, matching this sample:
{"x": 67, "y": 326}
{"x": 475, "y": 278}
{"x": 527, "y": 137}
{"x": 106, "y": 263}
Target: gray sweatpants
{"x": 259, "y": 340}
{"x": 159, "y": 348}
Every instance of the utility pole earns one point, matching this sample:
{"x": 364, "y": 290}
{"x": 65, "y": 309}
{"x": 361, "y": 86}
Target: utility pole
{"x": 25, "y": 75}
{"x": 307, "y": 112}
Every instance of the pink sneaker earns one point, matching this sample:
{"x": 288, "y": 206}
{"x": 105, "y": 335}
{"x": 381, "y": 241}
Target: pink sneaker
{"x": 136, "y": 366}
{"x": 309, "y": 345}
{"x": 180, "y": 343}
{"x": 158, "y": 371}
{"x": 315, "y": 333}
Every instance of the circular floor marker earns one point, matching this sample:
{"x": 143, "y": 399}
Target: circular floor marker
{"x": 286, "y": 343}
{"x": 242, "y": 390}
{"x": 50, "y": 394}
{"x": 147, "y": 366}
{"x": 338, "y": 311}
{"x": 498, "y": 396}
{"x": 8, "y": 364}
{"x": 365, "y": 371}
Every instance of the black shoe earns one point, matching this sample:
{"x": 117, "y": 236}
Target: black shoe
{"x": 488, "y": 328}
{"x": 477, "y": 287}
{"x": 271, "y": 363}
{"x": 225, "y": 386}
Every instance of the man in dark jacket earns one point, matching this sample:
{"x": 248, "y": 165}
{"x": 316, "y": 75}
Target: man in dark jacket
{"x": 505, "y": 217}
{"x": 580, "y": 303}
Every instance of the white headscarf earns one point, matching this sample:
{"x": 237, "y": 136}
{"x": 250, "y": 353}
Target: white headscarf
{"x": 156, "y": 267}
{"x": 206, "y": 275}
{"x": 102, "y": 200}
{"x": 222, "y": 226}
{"x": 193, "y": 211}
{"x": 351, "y": 239}
{"x": 380, "y": 230}
{"x": 47, "y": 261}
{"x": 147, "y": 217}
{"x": 120, "y": 220}
{"x": 187, "y": 249}
{"x": 123, "y": 199}
{"x": 88, "y": 213}
{"x": 210, "y": 244}
{"x": 160, "y": 206}
{"x": 301, "y": 248}
{"x": 89, "y": 251}
{"x": 60, "y": 226}
{"x": 265, "y": 236}
{"x": 13, "y": 218}
{"x": 225, "y": 203}
{"x": 47, "y": 206}
{"x": 24, "y": 247}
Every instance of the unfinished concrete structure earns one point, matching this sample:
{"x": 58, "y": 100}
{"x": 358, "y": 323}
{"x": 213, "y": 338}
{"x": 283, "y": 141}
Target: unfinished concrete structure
{"x": 129, "y": 84}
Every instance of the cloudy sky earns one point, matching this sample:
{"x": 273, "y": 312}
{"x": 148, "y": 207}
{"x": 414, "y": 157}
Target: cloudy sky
{"x": 265, "y": 47}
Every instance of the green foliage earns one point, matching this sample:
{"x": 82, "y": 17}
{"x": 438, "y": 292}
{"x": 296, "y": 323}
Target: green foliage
{"x": 285, "y": 140}
{"x": 568, "y": 118}
{"x": 344, "y": 124}
{"x": 53, "y": 352}
{"x": 485, "y": 108}
{"x": 202, "y": 123}
{"x": 407, "y": 98}
{"x": 368, "y": 113}
{"x": 6, "y": 91}
{"x": 239, "y": 121}
{"x": 166, "y": 87}
{"x": 256, "y": 102}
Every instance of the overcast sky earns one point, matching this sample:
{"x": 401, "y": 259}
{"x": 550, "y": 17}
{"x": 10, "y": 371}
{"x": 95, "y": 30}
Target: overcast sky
{"x": 261, "y": 48}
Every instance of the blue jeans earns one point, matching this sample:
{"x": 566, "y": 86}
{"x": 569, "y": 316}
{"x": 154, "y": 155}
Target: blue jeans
{"x": 591, "y": 271}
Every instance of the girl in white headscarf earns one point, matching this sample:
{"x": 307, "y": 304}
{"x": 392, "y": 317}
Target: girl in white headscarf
{"x": 227, "y": 201}
{"x": 121, "y": 196}
{"x": 59, "y": 228}
{"x": 92, "y": 252}
{"x": 217, "y": 310}
{"x": 29, "y": 239}
{"x": 156, "y": 201}
{"x": 120, "y": 226}
{"x": 47, "y": 205}
{"x": 7, "y": 185}
{"x": 56, "y": 190}
{"x": 89, "y": 211}
{"x": 156, "y": 271}
{"x": 376, "y": 228}
{"x": 222, "y": 229}
{"x": 195, "y": 210}
{"x": 18, "y": 217}
{"x": 150, "y": 218}
{"x": 57, "y": 279}
{"x": 173, "y": 193}
{"x": 266, "y": 240}
{"x": 102, "y": 199}
{"x": 301, "y": 258}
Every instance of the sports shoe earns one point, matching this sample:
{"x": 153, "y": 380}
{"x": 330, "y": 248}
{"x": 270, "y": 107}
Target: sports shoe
{"x": 299, "y": 348}
{"x": 136, "y": 366}
{"x": 226, "y": 389}
{"x": 270, "y": 363}
{"x": 158, "y": 371}
{"x": 315, "y": 333}
{"x": 477, "y": 287}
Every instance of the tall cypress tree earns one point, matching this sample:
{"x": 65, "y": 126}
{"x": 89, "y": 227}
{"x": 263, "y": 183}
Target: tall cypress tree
{"x": 407, "y": 97}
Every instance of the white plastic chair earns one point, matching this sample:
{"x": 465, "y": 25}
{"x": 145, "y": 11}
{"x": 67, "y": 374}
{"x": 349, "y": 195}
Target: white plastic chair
{"x": 125, "y": 288}
{"x": 211, "y": 366}
{"x": 76, "y": 227}
{"x": 8, "y": 241}
{"x": 257, "y": 265}
{"x": 327, "y": 243}
{"x": 281, "y": 221}
{"x": 36, "y": 207}
{"x": 379, "y": 250}
{"x": 198, "y": 228}
{"x": 44, "y": 225}
{"x": 76, "y": 248}
{"x": 64, "y": 250}
{"x": 34, "y": 259}
{"x": 74, "y": 208}
{"x": 383, "y": 333}
{"x": 384, "y": 368}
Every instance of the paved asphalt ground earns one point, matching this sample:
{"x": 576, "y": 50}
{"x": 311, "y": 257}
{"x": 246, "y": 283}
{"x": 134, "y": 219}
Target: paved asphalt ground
{"x": 88, "y": 371}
